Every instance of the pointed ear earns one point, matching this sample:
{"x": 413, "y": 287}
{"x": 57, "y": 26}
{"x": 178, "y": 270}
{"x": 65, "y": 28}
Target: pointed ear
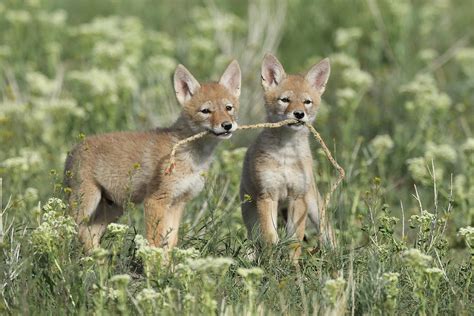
{"x": 272, "y": 72}
{"x": 231, "y": 78}
{"x": 185, "y": 85}
{"x": 318, "y": 75}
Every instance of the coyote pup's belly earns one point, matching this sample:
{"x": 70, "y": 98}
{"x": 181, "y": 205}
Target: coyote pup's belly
{"x": 287, "y": 180}
{"x": 188, "y": 186}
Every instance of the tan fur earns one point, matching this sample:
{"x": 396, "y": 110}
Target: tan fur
{"x": 278, "y": 167}
{"x": 106, "y": 171}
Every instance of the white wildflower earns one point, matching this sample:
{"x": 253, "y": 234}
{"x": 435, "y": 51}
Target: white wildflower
{"x": 423, "y": 221}
{"x": 179, "y": 255}
{"x": 120, "y": 280}
{"x": 346, "y": 36}
{"x": 210, "y": 264}
{"x": 417, "y": 168}
{"x": 443, "y": 152}
{"x": 44, "y": 108}
{"x": 126, "y": 79}
{"x": 54, "y": 204}
{"x": 117, "y": 229}
{"x": 147, "y": 295}
{"x": 416, "y": 259}
{"x": 346, "y": 96}
{"x": 161, "y": 64}
{"x": 107, "y": 51}
{"x": 465, "y": 57}
{"x": 54, "y": 18}
{"x": 140, "y": 241}
{"x": 99, "y": 82}
{"x": 100, "y": 254}
{"x": 162, "y": 41}
{"x": 468, "y": 146}
{"x": 434, "y": 276}
{"x": 381, "y": 144}
{"x": 27, "y": 160}
{"x": 112, "y": 294}
{"x": 344, "y": 61}
{"x": 333, "y": 289}
{"x": 251, "y": 273}
{"x": 152, "y": 258}
{"x": 426, "y": 94}
{"x": 55, "y": 229}
{"x": 31, "y": 194}
{"x": 357, "y": 77}
{"x": 427, "y": 55}
{"x": 468, "y": 234}
{"x": 40, "y": 84}
{"x": 18, "y": 16}
{"x": 434, "y": 271}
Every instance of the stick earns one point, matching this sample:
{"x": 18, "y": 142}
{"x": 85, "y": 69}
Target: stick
{"x": 317, "y": 136}
{"x": 339, "y": 169}
{"x": 182, "y": 142}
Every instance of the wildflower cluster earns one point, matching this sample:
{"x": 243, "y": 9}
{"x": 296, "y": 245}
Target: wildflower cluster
{"x": 251, "y": 278}
{"x": 439, "y": 155}
{"x": 465, "y": 58}
{"x": 390, "y": 290}
{"x": 55, "y": 231}
{"x": 468, "y": 234}
{"x": 426, "y": 96}
{"x": 355, "y": 81}
{"x": 381, "y": 144}
{"x": 398, "y": 107}
{"x": 423, "y": 275}
{"x": 333, "y": 290}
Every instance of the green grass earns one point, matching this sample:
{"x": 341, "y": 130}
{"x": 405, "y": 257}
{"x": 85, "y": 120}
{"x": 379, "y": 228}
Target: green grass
{"x": 397, "y": 114}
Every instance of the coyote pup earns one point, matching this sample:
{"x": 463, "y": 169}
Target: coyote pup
{"x": 278, "y": 167}
{"x": 106, "y": 171}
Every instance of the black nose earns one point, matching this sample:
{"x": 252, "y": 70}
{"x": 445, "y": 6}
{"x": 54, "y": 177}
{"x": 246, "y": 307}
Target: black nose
{"x": 298, "y": 114}
{"x": 227, "y": 125}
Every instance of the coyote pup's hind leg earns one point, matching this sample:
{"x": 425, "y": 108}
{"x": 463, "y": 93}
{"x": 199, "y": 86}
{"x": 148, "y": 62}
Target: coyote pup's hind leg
{"x": 318, "y": 216}
{"x": 250, "y": 217}
{"x": 91, "y": 232}
{"x": 93, "y": 214}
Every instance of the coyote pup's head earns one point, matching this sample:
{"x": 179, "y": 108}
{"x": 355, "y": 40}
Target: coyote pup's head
{"x": 293, "y": 96}
{"x": 210, "y": 106}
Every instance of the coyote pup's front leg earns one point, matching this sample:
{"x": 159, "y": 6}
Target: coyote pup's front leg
{"x": 162, "y": 221}
{"x": 267, "y": 209}
{"x": 296, "y": 222}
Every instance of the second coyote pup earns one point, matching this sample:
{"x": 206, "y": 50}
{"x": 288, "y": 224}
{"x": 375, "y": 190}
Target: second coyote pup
{"x": 278, "y": 167}
{"x": 106, "y": 171}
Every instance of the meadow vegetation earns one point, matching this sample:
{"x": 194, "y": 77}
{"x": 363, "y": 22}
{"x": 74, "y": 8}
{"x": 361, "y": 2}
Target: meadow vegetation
{"x": 397, "y": 114}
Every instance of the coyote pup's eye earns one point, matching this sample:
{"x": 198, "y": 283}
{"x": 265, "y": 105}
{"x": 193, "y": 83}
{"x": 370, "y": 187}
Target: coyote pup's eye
{"x": 228, "y": 107}
{"x": 205, "y": 111}
{"x": 307, "y": 102}
{"x": 285, "y": 100}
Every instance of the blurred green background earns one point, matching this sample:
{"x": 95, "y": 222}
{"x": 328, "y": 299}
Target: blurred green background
{"x": 397, "y": 113}
{"x": 399, "y": 97}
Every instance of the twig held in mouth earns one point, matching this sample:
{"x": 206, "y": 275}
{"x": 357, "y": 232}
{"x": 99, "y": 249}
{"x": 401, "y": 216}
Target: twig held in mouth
{"x": 317, "y": 136}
